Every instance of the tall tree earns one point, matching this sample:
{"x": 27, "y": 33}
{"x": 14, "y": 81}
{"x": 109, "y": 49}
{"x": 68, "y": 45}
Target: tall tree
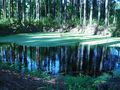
{"x": 19, "y": 11}
{"x": 4, "y": 9}
{"x": 11, "y": 9}
{"x": 106, "y": 13}
{"x": 84, "y": 18}
{"x": 30, "y": 10}
{"x": 54, "y": 8}
{"x": 0, "y": 9}
{"x": 65, "y": 10}
{"x": 91, "y": 12}
{"x": 80, "y": 8}
{"x": 99, "y": 10}
{"x": 24, "y": 9}
{"x": 37, "y": 9}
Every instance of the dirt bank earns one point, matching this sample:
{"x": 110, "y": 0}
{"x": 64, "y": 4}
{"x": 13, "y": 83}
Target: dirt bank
{"x": 12, "y": 81}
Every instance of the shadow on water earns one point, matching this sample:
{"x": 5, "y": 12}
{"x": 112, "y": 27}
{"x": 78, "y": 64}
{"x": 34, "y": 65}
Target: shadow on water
{"x": 73, "y": 60}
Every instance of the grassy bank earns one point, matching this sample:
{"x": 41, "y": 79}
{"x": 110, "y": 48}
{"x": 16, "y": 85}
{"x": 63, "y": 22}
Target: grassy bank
{"x": 79, "y": 82}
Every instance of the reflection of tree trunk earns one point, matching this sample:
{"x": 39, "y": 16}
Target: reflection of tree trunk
{"x": 78, "y": 59}
{"x": 38, "y": 57}
{"x": 88, "y": 57}
{"x": 95, "y": 61}
{"x": 118, "y": 55}
{"x": 20, "y": 53}
{"x": 25, "y": 56}
{"x": 66, "y": 58}
{"x": 81, "y": 60}
{"x": 102, "y": 57}
{"x": 91, "y": 61}
{"x": 99, "y": 57}
{"x": 31, "y": 56}
{"x": 69, "y": 60}
{"x": 110, "y": 59}
{"x": 1, "y": 54}
{"x": 84, "y": 59}
{"x": 20, "y": 48}
{"x": 6, "y": 54}
{"x": 48, "y": 60}
{"x": 61, "y": 59}
{"x": 13, "y": 54}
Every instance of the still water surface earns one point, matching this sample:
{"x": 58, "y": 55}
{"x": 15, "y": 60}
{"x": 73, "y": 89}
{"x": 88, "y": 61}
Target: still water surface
{"x": 75, "y": 59}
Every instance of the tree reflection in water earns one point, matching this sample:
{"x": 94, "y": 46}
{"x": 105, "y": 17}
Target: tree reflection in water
{"x": 86, "y": 59}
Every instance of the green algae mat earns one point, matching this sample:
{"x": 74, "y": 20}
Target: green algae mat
{"x": 58, "y": 39}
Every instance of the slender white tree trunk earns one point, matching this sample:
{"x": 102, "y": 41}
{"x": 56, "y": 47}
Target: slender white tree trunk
{"x": 37, "y": 9}
{"x": 99, "y": 10}
{"x": 80, "y": 8}
{"x": 91, "y": 12}
{"x": 84, "y": 18}
{"x": 4, "y": 8}
{"x": 106, "y": 13}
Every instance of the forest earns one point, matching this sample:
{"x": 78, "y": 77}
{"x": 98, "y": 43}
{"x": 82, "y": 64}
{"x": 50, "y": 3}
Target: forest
{"x": 20, "y": 16}
{"x": 59, "y": 44}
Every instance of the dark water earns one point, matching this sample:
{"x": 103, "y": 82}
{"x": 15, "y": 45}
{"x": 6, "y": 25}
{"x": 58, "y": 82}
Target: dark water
{"x": 90, "y": 60}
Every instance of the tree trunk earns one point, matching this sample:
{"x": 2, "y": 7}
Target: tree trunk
{"x": 30, "y": 10}
{"x": 91, "y": 12}
{"x": 84, "y": 18}
{"x": 99, "y": 10}
{"x": 4, "y": 8}
{"x": 54, "y": 8}
{"x": 37, "y": 9}
{"x": 19, "y": 11}
{"x": 65, "y": 10}
{"x": 80, "y": 8}
{"x": 106, "y": 13}
{"x": 39, "y": 2}
{"x": 11, "y": 9}
{"x": 24, "y": 10}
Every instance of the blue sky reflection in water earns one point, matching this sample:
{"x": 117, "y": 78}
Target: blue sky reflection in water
{"x": 90, "y": 60}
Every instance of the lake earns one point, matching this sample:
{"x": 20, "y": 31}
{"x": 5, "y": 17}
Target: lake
{"x": 66, "y": 60}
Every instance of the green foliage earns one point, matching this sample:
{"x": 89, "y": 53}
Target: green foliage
{"x": 79, "y": 83}
{"x": 15, "y": 67}
{"x": 116, "y": 32}
{"x": 101, "y": 79}
{"x": 85, "y": 82}
{"x": 39, "y": 74}
{"x": 74, "y": 21}
{"x": 116, "y": 73}
{"x": 7, "y": 66}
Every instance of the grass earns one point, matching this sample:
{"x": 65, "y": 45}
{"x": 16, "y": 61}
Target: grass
{"x": 80, "y": 82}
{"x": 85, "y": 82}
{"x": 13, "y": 67}
{"x": 58, "y": 39}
